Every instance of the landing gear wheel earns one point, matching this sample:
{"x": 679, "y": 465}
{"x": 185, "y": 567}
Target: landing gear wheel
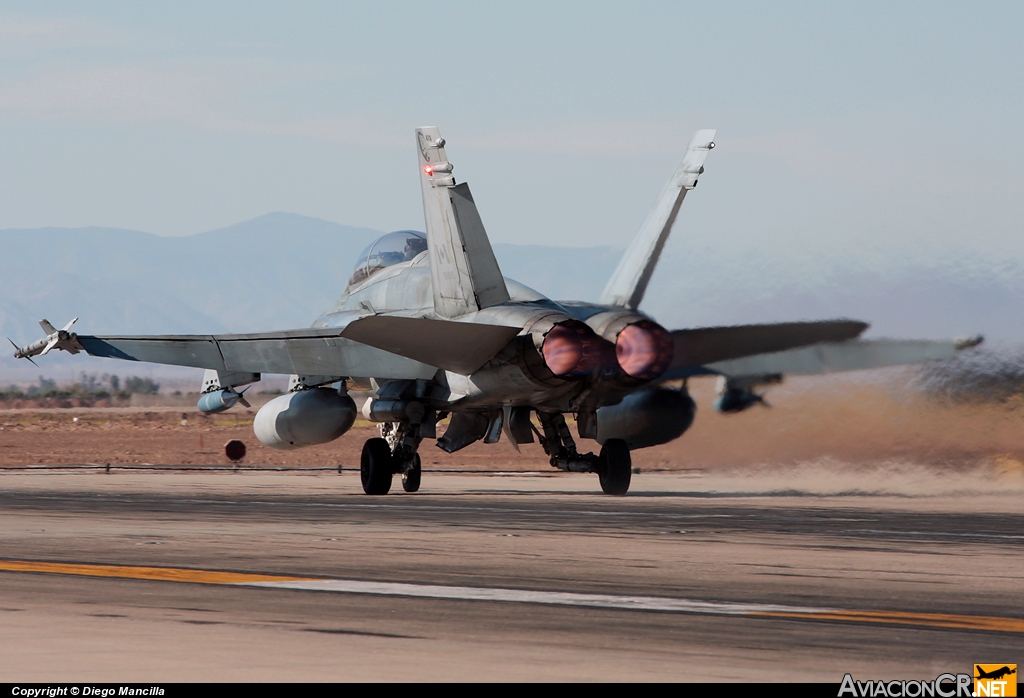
{"x": 376, "y": 467}
{"x": 411, "y": 477}
{"x": 615, "y": 467}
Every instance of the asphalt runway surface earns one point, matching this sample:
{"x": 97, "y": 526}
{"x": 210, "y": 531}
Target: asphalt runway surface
{"x": 193, "y": 576}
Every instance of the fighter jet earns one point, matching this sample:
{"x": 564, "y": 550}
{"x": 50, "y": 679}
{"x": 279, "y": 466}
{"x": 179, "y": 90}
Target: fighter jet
{"x": 430, "y": 325}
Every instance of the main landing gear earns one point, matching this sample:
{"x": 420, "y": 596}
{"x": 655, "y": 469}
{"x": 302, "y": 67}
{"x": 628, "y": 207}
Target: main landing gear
{"x": 376, "y": 468}
{"x": 394, "y": 452}
{"x": 613, "y": 466}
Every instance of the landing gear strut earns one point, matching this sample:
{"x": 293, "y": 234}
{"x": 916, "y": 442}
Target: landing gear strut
{"x": 614, "y": 466}
{"x": 394, "y": 452}
{"x": 411, "y": 477}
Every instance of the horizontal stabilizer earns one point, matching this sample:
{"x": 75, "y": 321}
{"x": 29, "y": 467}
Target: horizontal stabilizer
{"x": 844, "y": 356}
{"x": 703, "y": 346}
{"x": 460, "y": 347}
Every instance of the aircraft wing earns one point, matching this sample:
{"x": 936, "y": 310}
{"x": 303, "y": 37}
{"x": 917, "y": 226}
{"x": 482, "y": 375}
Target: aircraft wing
{"x": 375, "y": 346}
{"x": 303, "y": 352}
{"x": 851, "y": 355}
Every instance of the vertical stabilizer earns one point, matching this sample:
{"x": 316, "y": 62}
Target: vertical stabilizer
{"x": 463, "y": 270}
{"x": 629, "y": 282}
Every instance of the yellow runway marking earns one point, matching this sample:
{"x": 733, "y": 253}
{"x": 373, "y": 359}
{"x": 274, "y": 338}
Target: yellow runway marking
{"x": 933, "y": 620}
{"x": 161, "y": 574}
{"x": 607, "y": 601}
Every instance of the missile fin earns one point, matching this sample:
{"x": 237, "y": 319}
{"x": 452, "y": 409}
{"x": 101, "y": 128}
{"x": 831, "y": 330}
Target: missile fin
{"x": 50, "y": 345}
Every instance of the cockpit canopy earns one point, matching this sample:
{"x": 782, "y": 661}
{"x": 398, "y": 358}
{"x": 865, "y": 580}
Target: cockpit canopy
{"x": 400, "y": 246}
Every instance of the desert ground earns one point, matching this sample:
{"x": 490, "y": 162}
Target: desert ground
{"x": 838, "y": 426}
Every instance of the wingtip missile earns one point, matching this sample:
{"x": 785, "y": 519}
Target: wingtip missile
{"x": 55, "y": 339}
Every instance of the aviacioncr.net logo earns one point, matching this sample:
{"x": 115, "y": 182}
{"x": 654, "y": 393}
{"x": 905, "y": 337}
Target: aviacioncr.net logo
{"x": 942, "y": 686}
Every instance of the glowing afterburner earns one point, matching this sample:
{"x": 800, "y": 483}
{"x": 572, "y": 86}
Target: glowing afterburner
{"x": 644, "y": 349}
{"x": 572, "y": 349}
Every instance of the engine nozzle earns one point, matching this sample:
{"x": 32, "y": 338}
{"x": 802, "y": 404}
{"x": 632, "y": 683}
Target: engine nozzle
{"x": 644, "y": 349}
{"x": 571, "y": 349}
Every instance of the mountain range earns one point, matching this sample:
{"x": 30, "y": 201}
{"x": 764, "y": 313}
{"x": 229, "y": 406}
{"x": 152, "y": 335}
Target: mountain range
{"x": 281, "y": 270}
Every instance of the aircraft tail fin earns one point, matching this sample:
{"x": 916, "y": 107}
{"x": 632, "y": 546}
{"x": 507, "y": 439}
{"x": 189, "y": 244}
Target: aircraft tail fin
{"x": 463, "y": 269}
{"x": 628, "y": 283}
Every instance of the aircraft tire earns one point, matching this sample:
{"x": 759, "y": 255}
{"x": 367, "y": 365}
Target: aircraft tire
{"x": 615, "y": 467}
{"x": 411, "y": 477}
{"x": 376, "y": 467}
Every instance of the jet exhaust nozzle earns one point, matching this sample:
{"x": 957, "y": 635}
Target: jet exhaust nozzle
{"x": 644, "y": 349}
{"x": 572, "y": 349}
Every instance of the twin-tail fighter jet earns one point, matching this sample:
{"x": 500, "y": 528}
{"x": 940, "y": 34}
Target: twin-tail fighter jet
{"x": 430, "y": 325}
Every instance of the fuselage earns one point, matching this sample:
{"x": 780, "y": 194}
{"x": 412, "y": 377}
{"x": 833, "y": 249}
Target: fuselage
{"x": 509, "y": 379}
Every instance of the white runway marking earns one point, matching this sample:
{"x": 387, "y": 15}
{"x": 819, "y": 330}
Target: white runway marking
{"x": 559, "y": 598}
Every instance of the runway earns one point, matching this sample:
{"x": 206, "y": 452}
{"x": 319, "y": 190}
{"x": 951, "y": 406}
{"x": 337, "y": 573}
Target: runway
{"x": 262, "y": 576}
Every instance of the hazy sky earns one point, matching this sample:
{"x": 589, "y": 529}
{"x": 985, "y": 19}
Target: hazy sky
{"x": 846, "y": 131}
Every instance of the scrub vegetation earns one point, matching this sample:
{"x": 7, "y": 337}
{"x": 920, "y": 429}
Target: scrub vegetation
{"x": 89, "y": 391}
